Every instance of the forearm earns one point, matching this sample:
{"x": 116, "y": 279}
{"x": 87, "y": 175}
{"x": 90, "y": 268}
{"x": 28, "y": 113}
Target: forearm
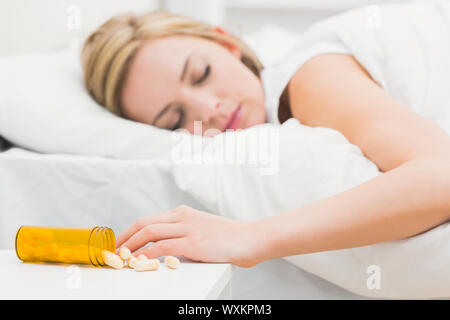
{"x": 400, "y": 203}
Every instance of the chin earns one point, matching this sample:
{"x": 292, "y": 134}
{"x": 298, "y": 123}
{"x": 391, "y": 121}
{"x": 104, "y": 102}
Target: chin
{"x": 256, "y": 122}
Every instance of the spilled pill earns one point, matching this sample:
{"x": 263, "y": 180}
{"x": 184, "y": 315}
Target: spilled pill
{"x": 139, "y": 263}
{"x": 112, "y": 259}
{"x": 142, "y": 257}
{"x": 132, "y": 262}
{"x": 172, "y": 262}
{"x": 124, "y": 253}
{"x": 147, "y": 265}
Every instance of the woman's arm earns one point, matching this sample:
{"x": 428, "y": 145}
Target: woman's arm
{"x": 334, "y": 91}
{"x": 400, "y": 203}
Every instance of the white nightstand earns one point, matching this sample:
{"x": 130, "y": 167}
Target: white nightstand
{"x": 54, "y": 281}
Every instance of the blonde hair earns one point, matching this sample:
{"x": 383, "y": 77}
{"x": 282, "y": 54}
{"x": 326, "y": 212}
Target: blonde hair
{"x": 107, "y": 53}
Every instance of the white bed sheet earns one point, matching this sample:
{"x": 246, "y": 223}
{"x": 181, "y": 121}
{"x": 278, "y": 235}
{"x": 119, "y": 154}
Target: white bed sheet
{"x": 77, "y": 191}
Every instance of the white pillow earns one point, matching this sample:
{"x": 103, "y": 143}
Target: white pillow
{"x": 45, "y": 107}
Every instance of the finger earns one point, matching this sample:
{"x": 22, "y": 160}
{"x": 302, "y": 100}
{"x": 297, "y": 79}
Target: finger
{"x": 169, "y": 247}
{"x": 162, "y": 217}
{"x": 152, "y": 233}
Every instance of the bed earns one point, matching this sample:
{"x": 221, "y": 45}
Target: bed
{"x": 79, "y": 191}
{"x": 86, "y": 190}
{"x": 63, "y": 190}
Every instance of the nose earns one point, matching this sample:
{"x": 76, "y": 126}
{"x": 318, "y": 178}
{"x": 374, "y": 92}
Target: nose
{"x": 204, "y": 106}
{"x": 209, "y": 111}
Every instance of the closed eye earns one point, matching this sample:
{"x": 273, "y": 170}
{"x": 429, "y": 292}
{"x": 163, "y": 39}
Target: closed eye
{"x": 180, "y": 120}
{"x": 205, "y": 74}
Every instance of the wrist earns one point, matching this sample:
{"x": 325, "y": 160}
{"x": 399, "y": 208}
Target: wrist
{"x": 263, "y": 241}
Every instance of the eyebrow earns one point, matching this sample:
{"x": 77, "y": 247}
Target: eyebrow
{"x": 183, "y": 73}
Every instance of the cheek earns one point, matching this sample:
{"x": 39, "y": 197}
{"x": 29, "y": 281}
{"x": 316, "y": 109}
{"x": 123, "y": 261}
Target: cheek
{"x": 194, "y": 128}
{"x": 190, "y": 126}
{"x": 137, "y": 114}
{"x": 131, "y": 109}
{"x": 230, "y": 74}
{"x": 256, "y": 115}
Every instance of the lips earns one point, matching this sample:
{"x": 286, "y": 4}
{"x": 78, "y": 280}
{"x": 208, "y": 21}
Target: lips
{"x": 235, "y": 119}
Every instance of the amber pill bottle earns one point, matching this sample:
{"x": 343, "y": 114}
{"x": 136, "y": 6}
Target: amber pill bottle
{"x": 64, "y": 245}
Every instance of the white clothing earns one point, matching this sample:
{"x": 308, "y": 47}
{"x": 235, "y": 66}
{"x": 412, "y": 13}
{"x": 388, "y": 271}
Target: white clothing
{"x": 404, "y": 47}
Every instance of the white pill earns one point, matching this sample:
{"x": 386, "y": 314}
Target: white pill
{"x": 142, "y": 257}
{"x": 172, "y": 262}
{"x": 124, "y": 253}
{"x": 147, "y": 265}
{"x": 112, "y": 259}
{"x": 132, "y": 261}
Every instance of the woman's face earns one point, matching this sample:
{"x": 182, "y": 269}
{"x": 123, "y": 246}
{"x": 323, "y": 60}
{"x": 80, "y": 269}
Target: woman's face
{"x": 174, "y": 81}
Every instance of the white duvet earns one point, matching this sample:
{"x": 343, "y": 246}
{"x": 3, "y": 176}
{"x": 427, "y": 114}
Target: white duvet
{"x": 407, "y": 50}
{"x": 44, "y": 107}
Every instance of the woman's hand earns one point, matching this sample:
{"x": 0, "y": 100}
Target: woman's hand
{"x": 196, "y": 235}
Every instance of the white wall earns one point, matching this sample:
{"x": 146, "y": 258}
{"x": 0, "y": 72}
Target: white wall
{"x": 38, "y": 25}
{"x": 211, "y": 11}
{"x": 247, "y": 16}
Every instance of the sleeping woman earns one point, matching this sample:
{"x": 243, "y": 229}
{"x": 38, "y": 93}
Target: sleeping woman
{"x": 167, "y": 70}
